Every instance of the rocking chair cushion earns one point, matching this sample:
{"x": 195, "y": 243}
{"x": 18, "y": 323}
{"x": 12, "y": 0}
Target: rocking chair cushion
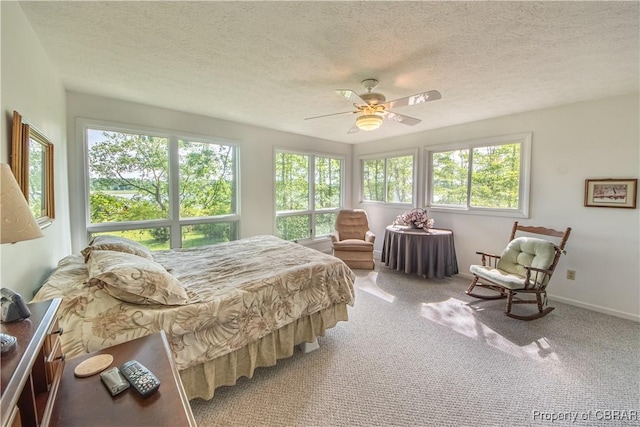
{"x": 520, "y": 252}
{"x": 499, "y": 277}
{"x": 526, "y": 251}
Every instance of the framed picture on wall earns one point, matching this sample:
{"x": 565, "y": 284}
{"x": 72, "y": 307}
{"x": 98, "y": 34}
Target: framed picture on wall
{"x": 611, "y": 193}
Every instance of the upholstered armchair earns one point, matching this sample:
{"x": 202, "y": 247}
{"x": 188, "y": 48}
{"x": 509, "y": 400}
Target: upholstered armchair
{"x": 352, "y": 240}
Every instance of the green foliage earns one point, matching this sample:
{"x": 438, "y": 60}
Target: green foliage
{"x": 207, "y": 234}
{"x": 143, "y": 236}
{"x": 296, "y": 227}
{"x": 129, "y": 181}
{"x": 206, "y": 179}
{"x": 393, "y": 173}
{"x": 328, "y": 182}
{"x": 36, "y": 171}
{"x": 495, "y": 177}
{"x": 325, "y": 223}
{"x": 373, "y": 178}
{"x": 400, "y": 179}
{"x": 137, "y": 163}
{"x": 450, "y": 172}
{"x": 161, "y": 234}
{"x": 294, "y": 183}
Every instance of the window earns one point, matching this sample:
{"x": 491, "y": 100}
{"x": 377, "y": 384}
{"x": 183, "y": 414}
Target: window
{"x": 490, "y": 175}
{"x": 388, "y": 180}
{"x": 135, "y": 191}
{"x": 308, "y": 192}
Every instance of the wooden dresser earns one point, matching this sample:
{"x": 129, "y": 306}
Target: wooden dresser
{"x": 32, "y": 372}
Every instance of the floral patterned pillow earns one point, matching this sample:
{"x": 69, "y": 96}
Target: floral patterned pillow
{"x": 134, "y": 279}
{"x": 116, "y": 243}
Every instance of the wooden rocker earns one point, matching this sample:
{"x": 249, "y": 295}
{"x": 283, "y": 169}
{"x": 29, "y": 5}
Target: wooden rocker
{"x": 524, "y": 267}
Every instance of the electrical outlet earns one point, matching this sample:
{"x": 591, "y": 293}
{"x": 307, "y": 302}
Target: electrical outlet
{"x": 571, "y": 274}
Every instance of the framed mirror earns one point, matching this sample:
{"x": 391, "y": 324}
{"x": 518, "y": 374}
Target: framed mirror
{"x": 32, "y": 165}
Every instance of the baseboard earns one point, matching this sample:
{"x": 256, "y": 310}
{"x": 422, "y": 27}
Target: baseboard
{"x": 584, "y": 305}
{"x": 592, "y": 307}
{"x": 597, "y": 308}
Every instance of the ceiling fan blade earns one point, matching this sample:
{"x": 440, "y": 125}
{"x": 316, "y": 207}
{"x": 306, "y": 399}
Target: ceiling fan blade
{"x": 351, "y": 96}
{"x": 418, "y": 98}
{"x": 401, "y": 118}
{"x": 329, "y": 115}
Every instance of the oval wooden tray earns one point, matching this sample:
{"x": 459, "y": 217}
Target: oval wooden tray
{"x": 93, "y": 365}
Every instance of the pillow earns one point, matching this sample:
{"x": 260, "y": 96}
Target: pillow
{"x": 115, "y": 243}
{"x": 134, "y": 279}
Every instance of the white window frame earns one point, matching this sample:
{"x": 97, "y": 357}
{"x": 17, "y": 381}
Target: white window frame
{"x": 312, "y": 195}
{"x": 524, "y": 139}
{"x": 174, "y": 222}
{"x": 385, "y": 157}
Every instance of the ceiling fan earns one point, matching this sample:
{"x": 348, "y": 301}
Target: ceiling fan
{"x": 372, "y": 108}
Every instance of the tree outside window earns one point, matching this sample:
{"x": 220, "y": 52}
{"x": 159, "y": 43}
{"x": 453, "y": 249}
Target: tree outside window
{"x": 308, "y": 194}
{"x": 130, "y": 182}
{"x": 488, "y": 175}
{"x": 388, "y": 180}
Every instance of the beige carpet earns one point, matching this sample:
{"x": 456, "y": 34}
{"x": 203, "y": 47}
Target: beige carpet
{"x": 419, "y": 352}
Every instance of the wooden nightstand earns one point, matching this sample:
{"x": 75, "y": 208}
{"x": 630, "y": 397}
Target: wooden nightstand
{"x": 86, "y": 401}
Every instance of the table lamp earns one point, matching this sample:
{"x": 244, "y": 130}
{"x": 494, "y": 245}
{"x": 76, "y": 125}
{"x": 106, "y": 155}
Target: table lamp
{"x": 16, "y": 225}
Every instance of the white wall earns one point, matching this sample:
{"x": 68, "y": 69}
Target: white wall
{"x": 31, "y": 86}
{"x": 596, "y": 139}
{"x": 256, "y": 155}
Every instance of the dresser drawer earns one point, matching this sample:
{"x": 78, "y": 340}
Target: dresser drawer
{"x": 54, "y": 358}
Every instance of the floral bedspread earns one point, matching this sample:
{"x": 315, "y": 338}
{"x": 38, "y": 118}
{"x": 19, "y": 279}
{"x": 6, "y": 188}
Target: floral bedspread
{"x": 238, "y": 292}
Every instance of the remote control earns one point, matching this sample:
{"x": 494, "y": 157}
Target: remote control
{"x": 114, "y": 381}
{"x": 141, "y": 378}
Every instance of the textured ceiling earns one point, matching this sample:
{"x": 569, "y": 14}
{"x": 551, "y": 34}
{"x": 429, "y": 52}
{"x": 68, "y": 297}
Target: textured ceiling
{"x": 273, "y": 64}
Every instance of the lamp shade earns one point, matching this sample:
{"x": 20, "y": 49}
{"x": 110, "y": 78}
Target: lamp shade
{"x": 369, "y": 121}
{"x": 16, "y": 220}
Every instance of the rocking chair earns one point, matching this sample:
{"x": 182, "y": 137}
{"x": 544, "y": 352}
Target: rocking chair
{"x": 525, "y": 267}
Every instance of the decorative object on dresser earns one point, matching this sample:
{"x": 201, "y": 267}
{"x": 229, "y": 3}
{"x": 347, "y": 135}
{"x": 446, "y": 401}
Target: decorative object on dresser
{"x": 524, "y": 267}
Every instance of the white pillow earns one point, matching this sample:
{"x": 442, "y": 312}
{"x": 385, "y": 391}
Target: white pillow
{"x": 134, "y": 279}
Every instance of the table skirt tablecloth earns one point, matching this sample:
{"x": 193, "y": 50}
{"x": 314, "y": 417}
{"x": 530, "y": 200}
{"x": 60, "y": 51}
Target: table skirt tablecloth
{"x": 431, "y": 253}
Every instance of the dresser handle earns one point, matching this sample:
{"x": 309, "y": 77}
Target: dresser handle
{"x": 59, "y": 331}
{"x": 61, "y": 357}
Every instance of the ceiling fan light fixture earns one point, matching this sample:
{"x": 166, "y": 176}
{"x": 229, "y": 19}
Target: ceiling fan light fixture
{"x": 369, "y": 121}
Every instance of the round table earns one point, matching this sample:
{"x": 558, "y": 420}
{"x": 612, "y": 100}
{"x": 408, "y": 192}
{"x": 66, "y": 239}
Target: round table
{"x": 429, "y": 253}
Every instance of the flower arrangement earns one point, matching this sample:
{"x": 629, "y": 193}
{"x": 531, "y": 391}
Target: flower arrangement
{"x": 418, "y": 218}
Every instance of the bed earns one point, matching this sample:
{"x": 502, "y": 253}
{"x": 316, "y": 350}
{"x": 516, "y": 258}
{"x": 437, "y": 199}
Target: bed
{"x": 226, "y": 309}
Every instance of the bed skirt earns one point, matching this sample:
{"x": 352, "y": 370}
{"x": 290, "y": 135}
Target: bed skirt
{"x": 200, "y": 381}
